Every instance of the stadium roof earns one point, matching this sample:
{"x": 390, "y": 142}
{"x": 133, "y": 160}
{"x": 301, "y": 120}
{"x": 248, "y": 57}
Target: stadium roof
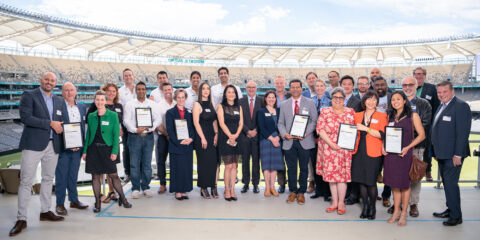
{"x": 33, "y": 29}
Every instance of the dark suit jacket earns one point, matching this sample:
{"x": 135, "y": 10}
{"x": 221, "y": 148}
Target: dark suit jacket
{"x": 266, "y": 123}
{"x": 83, "y": 112}
{"x": 250, "y": 123}
{"x": 355, "y": 103}
{"x": 450, "y": 132}
{"x": 429, "y": 92}
{"x": 174, "y": 145}
{"x": 34, "y": 115}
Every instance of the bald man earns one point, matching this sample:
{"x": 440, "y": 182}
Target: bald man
{"x": 66, "y": 173}
{"x": 41, "y": 114}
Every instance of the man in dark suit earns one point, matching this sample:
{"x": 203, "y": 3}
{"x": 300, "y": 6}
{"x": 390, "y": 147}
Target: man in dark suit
{"x": 41, "y": 114}
{"x": 450, "y": 131}
{"x": 426, "y": 91}
{"x": 249, "y": 143}
{"x": 66, "y": 173}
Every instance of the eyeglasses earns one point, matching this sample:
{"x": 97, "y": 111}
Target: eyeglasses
{"x": 408, "y": 85}
{"x": 337, "y": 98}
{"x": 419, "y": 74}
{"x": 362, "y": 84}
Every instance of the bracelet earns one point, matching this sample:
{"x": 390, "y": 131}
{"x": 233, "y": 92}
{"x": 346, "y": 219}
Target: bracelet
{"x": 369, "y": 130}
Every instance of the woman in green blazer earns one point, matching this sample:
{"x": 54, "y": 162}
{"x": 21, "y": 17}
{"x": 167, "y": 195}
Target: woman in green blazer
{"x": 101, "y": 149}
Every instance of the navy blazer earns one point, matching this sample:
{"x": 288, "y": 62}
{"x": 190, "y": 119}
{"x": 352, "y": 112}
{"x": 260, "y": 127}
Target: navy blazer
{"x": 34, "y": 115}
{"x": 83, "y": 113}
{"x": 266, "y": 124}
{"x": 174, "y": 145}
{"x": 450, "y": 132}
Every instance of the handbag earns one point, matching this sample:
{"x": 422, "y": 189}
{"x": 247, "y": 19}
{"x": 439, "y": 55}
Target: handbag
{"x": 418, "y": 168}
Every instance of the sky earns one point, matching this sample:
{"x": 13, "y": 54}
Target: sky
{"x": 321, "y": 21}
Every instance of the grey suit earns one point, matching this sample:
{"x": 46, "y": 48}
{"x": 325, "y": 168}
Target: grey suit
{"x": 297, "y": 151}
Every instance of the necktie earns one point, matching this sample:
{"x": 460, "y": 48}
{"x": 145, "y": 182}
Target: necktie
{"x": 297, "y": 108}
{"x": 438, "y": 114}
{"x": 251, "y": 108}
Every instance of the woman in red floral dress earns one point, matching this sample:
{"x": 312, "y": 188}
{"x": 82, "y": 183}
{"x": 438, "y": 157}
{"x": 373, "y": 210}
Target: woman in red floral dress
{"x": 334, "y": 163}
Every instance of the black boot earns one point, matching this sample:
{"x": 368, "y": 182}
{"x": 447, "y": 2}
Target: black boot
{"x": 365, "y": 211}
{"x": 372, "y": 211}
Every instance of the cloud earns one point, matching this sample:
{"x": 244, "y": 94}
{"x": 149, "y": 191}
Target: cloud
{"x": 274, "y": 13}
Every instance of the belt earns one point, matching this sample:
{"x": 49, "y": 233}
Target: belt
{"x": 144, "y": 134}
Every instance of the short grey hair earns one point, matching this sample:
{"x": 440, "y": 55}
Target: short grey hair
{"x": 420, "y": 68}
{"x": 69, "y": 83}
{"x": 338, "y": 89}
{"x": 405, "y": 78}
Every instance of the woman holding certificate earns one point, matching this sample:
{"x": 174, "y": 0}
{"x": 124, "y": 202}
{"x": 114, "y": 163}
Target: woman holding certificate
{"x": 367, "y": 158}
{"x": 101, "y": 149}
{"x": 270, "y": 142}
{"x": 230, "y": 120}
{"x": 205, "y": 143}
{"x": 180, "y": 130}
{"x": 333, "y": 161}
{"x": 399, "y": 143}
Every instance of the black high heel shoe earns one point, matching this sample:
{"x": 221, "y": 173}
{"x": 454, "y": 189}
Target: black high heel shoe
{"x": 125, "y": 203}
{"x": 204, "y": 193}
{"x": 372, "y": 211}
{"x": 98, "y": 207}
{"x": 214, "y": 192}
{"x": 365, "y": 211}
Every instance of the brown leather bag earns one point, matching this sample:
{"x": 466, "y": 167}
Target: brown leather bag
{"x": 417, "y": 170}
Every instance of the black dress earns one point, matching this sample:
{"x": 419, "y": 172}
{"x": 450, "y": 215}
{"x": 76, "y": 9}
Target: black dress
{"x": 365, "y": 169}
{"x": 206, "y": 158}
{"x": 98, "y": 155}
{"x": 231, "y": 117}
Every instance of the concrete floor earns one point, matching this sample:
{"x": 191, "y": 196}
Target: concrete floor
{"x": 251, "y": 217}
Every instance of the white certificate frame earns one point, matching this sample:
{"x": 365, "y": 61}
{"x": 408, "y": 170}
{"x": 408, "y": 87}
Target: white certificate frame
{"x": 143, "y": 117}
{"x": 393, "y": 137}
{"x": 299, "y": 125}
{"x": 347, "y": 136}
{"x": 72, "y": 135}
{"x": 181, "y": 129}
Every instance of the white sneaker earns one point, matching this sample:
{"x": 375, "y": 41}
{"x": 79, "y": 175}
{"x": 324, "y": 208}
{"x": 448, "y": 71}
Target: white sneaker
{"x": 135, "y": 194}
{"x": 148, "y": 193}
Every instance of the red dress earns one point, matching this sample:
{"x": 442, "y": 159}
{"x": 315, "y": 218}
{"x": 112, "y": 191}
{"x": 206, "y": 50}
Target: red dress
{"x": 334, "y": 166}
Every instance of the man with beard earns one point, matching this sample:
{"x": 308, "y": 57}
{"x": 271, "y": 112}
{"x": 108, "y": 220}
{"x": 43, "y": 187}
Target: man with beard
{"x": 157, "y": 93}
{"x": 333, "y": 79}
{"x": 363, "y": 85}
{"x": 217, "y": 90}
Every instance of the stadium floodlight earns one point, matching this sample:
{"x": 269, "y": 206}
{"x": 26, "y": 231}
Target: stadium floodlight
{"x": 48, "y": 29}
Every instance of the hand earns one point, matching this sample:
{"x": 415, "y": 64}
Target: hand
{"x": 384, "y": 152}
{"x": 457, "y": 161}
{"x": 56, "y": 126}
{"x": 361, "y": 127}
{"x": 113, "y": 157}
{"x": 215, "y": 140}
{"x": 335, "y": 147}
{"x": 288, "y": 136}
{"x": 232, "y": 143}
{"x": 404, "y": 151}
{"x": 204, "y": 143}
{"x": 252, "y": 133}
{"x": 84, "y": 157}
{"x": 121, "y": 132}
{"x": 75, "y": 149}
{"x": 232, "y": 138}
{"x": 141, "y": 129}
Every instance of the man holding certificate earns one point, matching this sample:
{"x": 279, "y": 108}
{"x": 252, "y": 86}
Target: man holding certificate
{"x": 66, "y": 173}
{"x": 141, "y": 119}
{"x": 296, "y": 124}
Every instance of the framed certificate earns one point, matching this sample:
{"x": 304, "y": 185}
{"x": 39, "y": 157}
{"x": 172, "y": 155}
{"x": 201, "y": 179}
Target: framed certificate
{"x": 181, "y": 129}
{"x": 144, "y": 117}
{"x": 347, "y": 136}
{"x": 299, "y": 125}
{"x": 72, "y": 135}
{"x": 393, "y": 139}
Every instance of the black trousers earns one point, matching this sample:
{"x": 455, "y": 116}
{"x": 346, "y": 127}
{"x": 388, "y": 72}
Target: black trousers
{"x": 321, "y": 187}
{"x": 281, "y": 174}
{"x": 125, "y": 153}
{"x": 450, "y": 175}
{"x": 250, "y": 151}
{"x": 161, "y": 152}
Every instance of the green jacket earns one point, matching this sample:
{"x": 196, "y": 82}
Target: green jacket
{"x": 110, "y": 128}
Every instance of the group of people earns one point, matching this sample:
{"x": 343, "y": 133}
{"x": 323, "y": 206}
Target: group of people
{"x": 221, "y": 125}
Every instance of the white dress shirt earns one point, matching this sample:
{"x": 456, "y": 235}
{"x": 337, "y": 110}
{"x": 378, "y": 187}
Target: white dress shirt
{"x": 158, "y": 94}
{"x": 163, "y": 107}
{"x": 191, "y": 99}
{"x": 217, "y": 94}
{"x": 129, "y": 114}
{"x": 73, "y": 113}
{"x": 126, "y": 95}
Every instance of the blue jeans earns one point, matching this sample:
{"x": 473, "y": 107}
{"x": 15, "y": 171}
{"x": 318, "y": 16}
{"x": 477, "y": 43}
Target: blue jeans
{"x": 141, "y": 149}
{"x": 66, "y": 175}
{"x": 303, "y": 156}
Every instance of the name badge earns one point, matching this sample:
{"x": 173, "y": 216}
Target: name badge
{"x": 414, "y": 108}
{"x": 83, "y": 118}
{"x": 428, "y": 97}
{"x": 118, "y": 110}
{"x": 305, "y": 112}
{"x": 374, "y": 120}
{"x": 105, "y": 123}
{"x": 268, "y": 114}
{"x": 190, "y": 111}
{"x": 59, "y": 113}
{"x": 208, "y": 110}
{"x": 447, "y": 118}
{"x": 391, "y": 123}
{"x": 236, "y": 113}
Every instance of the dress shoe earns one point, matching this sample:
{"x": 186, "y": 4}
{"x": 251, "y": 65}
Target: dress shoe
{"x": 125, "y": 203}
{"x": 281, "y": 189}
{"x": 291, "y": 198}
{"x": 162, "y": 189}
{"x": 372, "y": 212}
{"x": 50, "y": 216}
{"x": 185, "y": 198}
{"x": 327, "y": 199}
{"x": 300, "y": 198}
{"x": 315, "y": 196}
{"x": 97, "y": 207}
{"x": 444, "y": 214}
{"x": 61, "y": 210}
{"x": 453, "y": 222}
{"x": 214, "y": 192}
{"x": 126, "y": 179}
{"x": 391, "y": 209}
{"x": 365, "y": 211}
{"x": 244, "y": 188}
{"x": 255, "y": 189}
{"x": 428, "y": 177}
{"x": 379, "y": 198}
{"x": 351, "y": 201}
{"x": 19, "y": 226}
{"x": 380, "y": 178}
{"x": 414, "y": 210}
{"x": 78, "y": 205}
{"x": 386, "y": 202}
{"x": 311, "y": 187}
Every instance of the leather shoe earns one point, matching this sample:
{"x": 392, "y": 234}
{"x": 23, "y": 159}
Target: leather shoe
{"x": 162, "y": 189}
{"x": 126, "y": 179}
{"x": 327, "y": 199}
{"x": 453, "y": 222}
{"x": 301, "y": 198}
{"x": 78, "y": 205}
{"x": 281, "y": 189}
{"x": 428, "y": 177}
{"x": 386, "y": 202}
{"x": 255, "y": 189}
{"x": 50, "y": 216}
{"x": 444, "y": 214}
{"x": 19, "y": 226}
{"x": 316, "y": 195}
{"x": 244, "y": 188}
{"x": 291, "y": 198}
{"x": 61, "y": 210}
{"x": 391, "y": 209}
{"x": 351, "y": 201}
{"x": 311, "y": 187}
{"x": 414, "y": 210}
